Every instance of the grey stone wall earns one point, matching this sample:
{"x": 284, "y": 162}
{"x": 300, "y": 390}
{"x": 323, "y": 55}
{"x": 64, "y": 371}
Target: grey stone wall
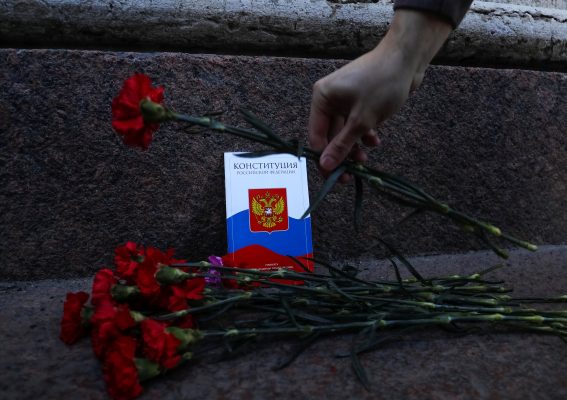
{"x": 561, "y": 4}
{"x": 491, "y": 34}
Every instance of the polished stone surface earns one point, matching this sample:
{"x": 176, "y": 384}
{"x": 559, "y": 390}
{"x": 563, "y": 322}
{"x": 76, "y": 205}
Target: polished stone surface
{"x": 491, "y": 142}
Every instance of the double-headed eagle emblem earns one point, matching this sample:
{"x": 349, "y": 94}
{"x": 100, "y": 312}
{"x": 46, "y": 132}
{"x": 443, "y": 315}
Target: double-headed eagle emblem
{"x": 268, "y": 209}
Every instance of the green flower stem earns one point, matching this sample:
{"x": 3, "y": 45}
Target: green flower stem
{"x": 374, "y": 286}
{"x": 379, "y": 179}
{"x": 271, "y": 275}
{"x": 559, "y": 299}
{"x": 385, "y": 185}
{"x": 541, "y": 329}
{"x": 291, "y": 275}
{"x": 422, "y": 290}
{"x": 212, "y": 124}
{"x": 444, "y": 319}
{"x": 177, "y": 314}
{"x": 449, "y": 298}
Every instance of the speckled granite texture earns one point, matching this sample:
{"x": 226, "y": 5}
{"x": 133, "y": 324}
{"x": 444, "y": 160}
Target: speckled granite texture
{"x": 34, "y": 364}
{"x": 492, "y": 141}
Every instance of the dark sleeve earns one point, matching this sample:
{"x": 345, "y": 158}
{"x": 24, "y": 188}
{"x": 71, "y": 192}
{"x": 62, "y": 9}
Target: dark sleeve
{"x": 453, "y": 11}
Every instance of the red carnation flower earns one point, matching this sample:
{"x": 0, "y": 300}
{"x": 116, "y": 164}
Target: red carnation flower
{"x": 72, "y": 324}
{"x": 160, "y": 346}
{"x": 103, "y": 282}
{"x": 145, "y": 277}
{"x": 127, "y": 118}
{"x": 109, "y": 322}
{"x": 192, "y": 288}
{"x": 185, "y": 322}
{"x": 120, "y": 372}
{"x": 127, "y": 259}
{"x": 170, "y": 301}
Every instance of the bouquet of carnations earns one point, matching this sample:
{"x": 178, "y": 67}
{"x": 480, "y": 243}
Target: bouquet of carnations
{"x": 153, "y": 312}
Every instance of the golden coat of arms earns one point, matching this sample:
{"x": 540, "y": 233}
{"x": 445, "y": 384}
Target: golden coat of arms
{"x": 269, "y": 210}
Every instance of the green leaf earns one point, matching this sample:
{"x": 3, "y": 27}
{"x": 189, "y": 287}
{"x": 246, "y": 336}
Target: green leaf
{"x": 359, "y": 370}
{"x": 336, "y": 270}
{"x": 214, "y": 113}
{"x": 327, "y": 186}
{"x": 333, "y": 285}
{"x": 217, "y": 313}
{"x": 299, "y": 149}
{"x": 493, "y": 268}
{"x": 500, "y": 252}
{"x": 289, "y": 312}
{"x": 312, "y": 318}
{"x": 350, "y": 270}
{"x": 357, "y": 202}
{"x": 256, "y": 154}
{"x": 411, "y": 215}
{"x": 236, "y": 347}
{"x": 255, "y": 121}
{"x": 398, "y": 276}
{"x": 378, "y": 342}
{"x": 303, "y": 345}
{"x": 404, "y": 261}
{"x": 295, "y": 260}
{"x": 397, "y": 199}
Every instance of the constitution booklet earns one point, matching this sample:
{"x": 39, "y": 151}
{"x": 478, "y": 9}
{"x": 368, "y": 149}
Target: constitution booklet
{"x": 265, "y": 199}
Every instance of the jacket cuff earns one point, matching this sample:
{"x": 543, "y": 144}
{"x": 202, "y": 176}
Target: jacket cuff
{"x": 453, "y": 11}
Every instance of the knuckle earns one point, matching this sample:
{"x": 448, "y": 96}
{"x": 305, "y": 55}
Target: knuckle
{"x": 341, "y": 146}
{"x": 359, "y": 123}
{"x": 319, "y": 86}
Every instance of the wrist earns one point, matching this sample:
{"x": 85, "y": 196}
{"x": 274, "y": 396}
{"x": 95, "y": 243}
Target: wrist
{"x": 416, "y": 36}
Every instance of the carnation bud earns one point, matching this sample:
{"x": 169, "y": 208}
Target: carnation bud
{"x": 146, "y": 369}
{"x": 528, "y": 246}
{"x": 137, "y": 316}
{"x": 185, "y": 336}
{"x": 494, "y": 230}
{"x": 86, "y": 314}
{"x": 154, "y": 112}
{"x": 169, "y": 275}
{"x": 121, "y": 293}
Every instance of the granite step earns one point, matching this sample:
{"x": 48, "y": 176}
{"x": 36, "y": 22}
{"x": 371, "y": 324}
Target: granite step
{"x": 429, "y": 364}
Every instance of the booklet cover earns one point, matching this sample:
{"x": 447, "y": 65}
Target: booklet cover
{"x": 265, "y": 199}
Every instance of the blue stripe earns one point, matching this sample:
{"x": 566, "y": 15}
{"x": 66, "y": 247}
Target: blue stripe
{"x": 296, "y": 241}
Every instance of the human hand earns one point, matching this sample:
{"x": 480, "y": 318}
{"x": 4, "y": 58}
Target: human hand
{"x": 347, "y": 104}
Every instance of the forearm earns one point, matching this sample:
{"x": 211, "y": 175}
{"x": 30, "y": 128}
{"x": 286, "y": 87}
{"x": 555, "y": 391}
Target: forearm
{"x": 370, "y": 89}
{"x": 416, "y": 37}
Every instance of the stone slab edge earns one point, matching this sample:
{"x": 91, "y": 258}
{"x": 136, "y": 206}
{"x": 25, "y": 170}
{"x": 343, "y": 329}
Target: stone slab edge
{"x": 516, "y": 366}
{"x": 491, "y": 34}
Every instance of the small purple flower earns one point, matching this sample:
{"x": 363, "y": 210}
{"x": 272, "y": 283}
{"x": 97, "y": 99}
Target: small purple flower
{"x": 214, "y": 278}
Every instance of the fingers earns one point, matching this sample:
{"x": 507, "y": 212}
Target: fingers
{"x": 336, "y": 125}
{"x": 341, "y": 145}
{"x": 329, "y": 134}
{"x": 371, "y": 138}
{"x": 357, "y": 155}
{"x": 319, "y": 120}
